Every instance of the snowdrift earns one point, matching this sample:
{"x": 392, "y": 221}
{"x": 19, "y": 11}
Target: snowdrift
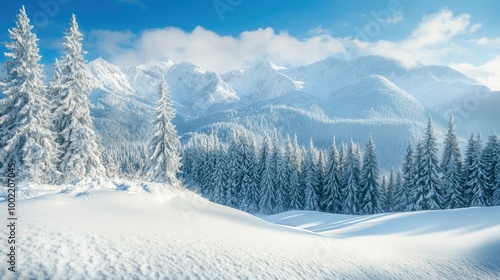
{"x": 105, "y": 229}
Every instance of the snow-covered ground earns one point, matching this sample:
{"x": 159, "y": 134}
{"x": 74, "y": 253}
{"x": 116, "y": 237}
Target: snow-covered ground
{"x": 104, "y": 229}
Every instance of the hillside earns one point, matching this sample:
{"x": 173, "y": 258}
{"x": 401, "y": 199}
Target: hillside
{"x": 122, "y": 229}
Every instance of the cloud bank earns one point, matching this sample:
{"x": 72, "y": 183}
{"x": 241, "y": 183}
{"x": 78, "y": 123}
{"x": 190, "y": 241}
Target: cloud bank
{"x": 433, "y": 41}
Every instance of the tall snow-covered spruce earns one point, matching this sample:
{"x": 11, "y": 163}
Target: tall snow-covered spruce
{"x": 81, "y": 153}
{"x": 164, "y": 160}
{"x": 27, "y": 138}
{"x": 371, "y": 197}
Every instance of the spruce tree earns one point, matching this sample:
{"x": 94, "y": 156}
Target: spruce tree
{"x": 311, "y": 179}
{"x": 451, "y": 166}
{"x": 452, "y": 180}
{"x": 404, "y": 195}
{"x": 296, "y": 193}
{"x": 331, "y": 201}
{"x": 219, "y": 178}
{"x": 469, "y": 168}
{"x": 267, "y": 177}
{"x": 477, "y": 183}
{"x": 27, "y": 138}
{"x": 252, "y": 181}
{"x": 383, "y": 192}
{"x": 490, "y": 162}
{"x": 451, "y": 147}
{"x": 389, "y": 193}
{"x": 281, "y": 179}
{"x": 351, "y": 191}
{"x": 371, "y": 199}
{"x": 496, "y": 189}
{"x": 429, "y": 174}
{"x": 164, "y": 160}
{"x": 417, "y": 193}
{"x": 234, "y": 167}
{"x": 398, "y": 187}
{"x": 81, "y": 153}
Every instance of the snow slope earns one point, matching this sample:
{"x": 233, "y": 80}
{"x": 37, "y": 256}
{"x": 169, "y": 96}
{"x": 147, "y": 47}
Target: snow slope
{"x": 105, "y": 229}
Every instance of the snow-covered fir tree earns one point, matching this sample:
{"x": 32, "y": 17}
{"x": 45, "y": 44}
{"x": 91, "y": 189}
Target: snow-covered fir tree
{"x": 234, "y": 167}
{"x": 477, "y": 181}
{"x": 267, "y": 178}
{"x": 26, "y": 131}
{"x": 452, "y": 182}
{"x": 389, "y": 193}
{"x": 81, "y": 153}
{"x": 495, "y": 201}
{"x": 398, "y": 186}
{"x": 282, "y": 173}
{"x": 383, "y": 192}
{"x": 430, "y": 170}
{"x": 417, "y": 193}
{"x": 451, "y": 166}
{"x": 247, "y": 191}
{"x": 164, "y": 160}
{"x": 490, "y": 161}
{"x": 351, "y": 191}
{"x": 404, "y": 194}
{"x": 296, "y": 194}
{"x": 311, "y": 179}
{"x": 468, "y": 167}
{"x": 451, "y": 147}
{"x": 371, "y": 198}
{"x": 331, "y": 200}
{"x": 219, "y": 177}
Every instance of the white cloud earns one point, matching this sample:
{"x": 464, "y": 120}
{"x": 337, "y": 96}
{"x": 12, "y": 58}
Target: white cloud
{"x": 395, "y": 18}
{"x": 487, "y": 74}
{"x": 212, "y": 51}
{"x": 433, "y": 41}
{"x": 428, "y": 43}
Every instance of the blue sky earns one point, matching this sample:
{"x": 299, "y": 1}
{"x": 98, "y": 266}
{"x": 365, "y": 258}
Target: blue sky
{"x": 227, "y": 34}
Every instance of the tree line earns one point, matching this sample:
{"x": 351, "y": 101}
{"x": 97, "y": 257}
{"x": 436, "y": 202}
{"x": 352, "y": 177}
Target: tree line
{"x": 270, "y": 175}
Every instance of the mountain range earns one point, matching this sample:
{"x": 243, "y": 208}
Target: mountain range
{"x": 350, "y": 99}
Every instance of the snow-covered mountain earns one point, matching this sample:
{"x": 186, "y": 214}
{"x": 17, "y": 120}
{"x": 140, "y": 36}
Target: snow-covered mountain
{"x": 346, "y": 98}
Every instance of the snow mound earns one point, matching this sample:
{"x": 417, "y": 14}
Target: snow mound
{"x": 117, "y": 229}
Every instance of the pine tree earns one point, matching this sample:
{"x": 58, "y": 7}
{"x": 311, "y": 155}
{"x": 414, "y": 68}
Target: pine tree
{"x": 219, "y": 178}
{"x": 268, "y": 174}
{"x": 398, "y": 192}
{"x": 26, "y": 135}
{"x": 332, "y": 197}
{"x": 451, "y": 165}
{"x": 477, "y": 183}
{"x": 252, "y": 181}
{"x": 496, "y": 189}
{"x": 371, "y": 199}
{"x": 311, "y": 182}
{"x": 296, "y": 194}
{"x": 351, "y": 191}
{"x": 490, "y": 161}
{"x": 417, "y": 199}
{"x": 468, "y": 168}
{"x": 389, "y": 193}
{"x": 164, "y": 160}
{"x": 451, "y": 147}
{"x": 282, "y": 180}
{"x": 404, "y": 193}
{"x": 429, "y": 174}
{"x": 452, "y": 181}
{"x": 383, "y": 192}
{"x": 79, "y": 143}
{"x": 235, "y": 171}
